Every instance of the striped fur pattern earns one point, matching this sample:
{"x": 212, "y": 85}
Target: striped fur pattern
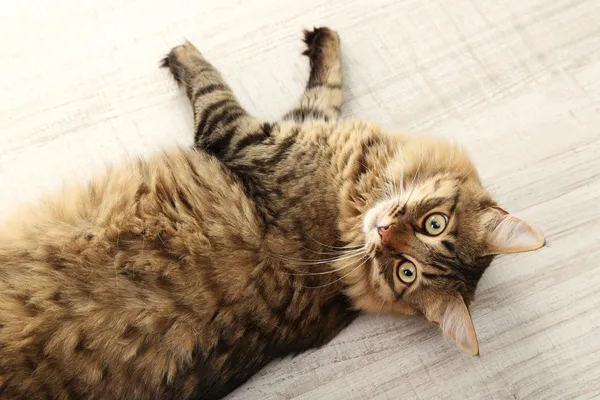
{"x": 181, "y": 275}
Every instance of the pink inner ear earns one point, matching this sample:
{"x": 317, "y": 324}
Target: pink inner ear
{"x": 502, "y": 210}
{"x": 457, "y": 323}
{"x": 512, "y": 235}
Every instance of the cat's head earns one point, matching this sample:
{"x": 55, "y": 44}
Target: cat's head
{"x": 433, "y": 234}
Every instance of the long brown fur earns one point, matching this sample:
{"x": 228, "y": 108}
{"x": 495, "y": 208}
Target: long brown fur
{"x": 180, "y": 276}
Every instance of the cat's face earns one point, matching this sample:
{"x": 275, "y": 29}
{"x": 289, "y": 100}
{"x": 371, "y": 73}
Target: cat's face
{"x": 432, "y": 237}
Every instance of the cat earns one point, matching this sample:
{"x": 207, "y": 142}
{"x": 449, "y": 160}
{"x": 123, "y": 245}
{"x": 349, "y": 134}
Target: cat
{"x": 181, "y": 275}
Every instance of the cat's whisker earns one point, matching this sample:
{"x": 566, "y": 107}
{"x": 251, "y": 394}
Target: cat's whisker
{"x": 380, "y": 308}
{"x": 414, "y": 181}
{"x": 315, "y": 262}
{"x": 332, "y": 247}
{"x": 391, "y": 189}
{"x": 345, "y": 256}
{"x": 332, "y": 252}
{"x": 339, "y": 279}
{"x": 396, "y": 191}
{"x": 361, "y": 258}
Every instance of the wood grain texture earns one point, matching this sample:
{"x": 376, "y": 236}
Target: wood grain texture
{"x": 518, "y": 82}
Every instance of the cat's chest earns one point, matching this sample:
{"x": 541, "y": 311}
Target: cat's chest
{"x": 299, "y": 311}
{"x": 323, "y": 319}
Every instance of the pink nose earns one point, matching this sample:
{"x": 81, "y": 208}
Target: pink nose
{"x": 384, "y": 232}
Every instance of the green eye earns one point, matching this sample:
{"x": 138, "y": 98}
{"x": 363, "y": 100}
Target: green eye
{"x": 435, "y": 224}
{"x": 407, "y": 272}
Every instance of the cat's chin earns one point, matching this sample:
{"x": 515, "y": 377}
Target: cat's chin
{"x": 372, "y": 242}
{"x": 375, "y": 217}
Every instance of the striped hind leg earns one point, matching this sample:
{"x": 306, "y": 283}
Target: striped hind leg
{"x": 219, "y": 119}
{"x": 323, "y": 96}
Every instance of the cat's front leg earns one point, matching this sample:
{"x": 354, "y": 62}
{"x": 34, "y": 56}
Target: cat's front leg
{"x": 219, "y": 119}
{"x": 323, "y": 96}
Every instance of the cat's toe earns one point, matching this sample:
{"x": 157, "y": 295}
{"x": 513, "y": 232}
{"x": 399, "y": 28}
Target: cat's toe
{"x": 321, "y": 41}
{"x": 181, "y": 59}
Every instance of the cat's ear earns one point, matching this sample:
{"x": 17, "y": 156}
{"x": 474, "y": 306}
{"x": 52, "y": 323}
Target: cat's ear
{"x": 508, "y": 234}
{"x": 452, "y": 315}
{"x": 456, "y": 322}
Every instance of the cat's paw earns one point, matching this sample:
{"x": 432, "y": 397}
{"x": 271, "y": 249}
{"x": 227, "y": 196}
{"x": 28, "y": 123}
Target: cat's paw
{"x": 322, "y": 43}
{"x": 181, "y": 60}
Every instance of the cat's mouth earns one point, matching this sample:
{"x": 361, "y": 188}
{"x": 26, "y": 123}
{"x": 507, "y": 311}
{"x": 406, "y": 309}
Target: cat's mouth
{"x": 372, "y": 242}
{"x": 375, "y": 219}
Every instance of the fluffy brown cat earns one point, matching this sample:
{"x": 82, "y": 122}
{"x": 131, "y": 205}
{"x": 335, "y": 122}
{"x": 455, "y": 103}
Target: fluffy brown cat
{"x": 180, "y": 276}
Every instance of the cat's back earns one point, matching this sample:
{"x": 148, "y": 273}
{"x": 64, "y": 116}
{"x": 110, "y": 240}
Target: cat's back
{"x": 111, "y": 278}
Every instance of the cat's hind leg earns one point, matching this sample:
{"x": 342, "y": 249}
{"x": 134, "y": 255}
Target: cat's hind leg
{"x": 323, "y": 96}
{"x": 218, "y": 116}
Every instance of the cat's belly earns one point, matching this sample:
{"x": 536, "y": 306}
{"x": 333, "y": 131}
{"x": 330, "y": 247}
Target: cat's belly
{"x": 143, "y": 285}
{"x": 105, "y": 288}
{"x": 243, "y": 348}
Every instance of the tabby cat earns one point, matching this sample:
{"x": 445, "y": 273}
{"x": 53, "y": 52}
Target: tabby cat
{"x": 180, "y": 276}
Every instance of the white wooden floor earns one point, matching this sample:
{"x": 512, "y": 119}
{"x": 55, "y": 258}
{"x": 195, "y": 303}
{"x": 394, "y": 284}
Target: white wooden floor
{"x": 517, "y": 81}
